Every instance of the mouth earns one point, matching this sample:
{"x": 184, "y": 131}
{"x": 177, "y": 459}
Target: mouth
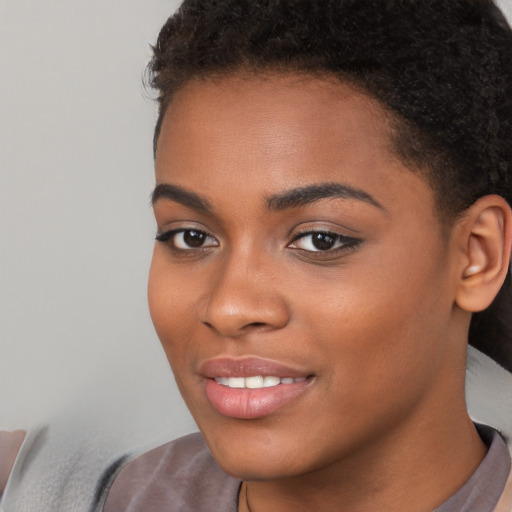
{"x": 251, "y": 388}
{"x": 257, "y": 381}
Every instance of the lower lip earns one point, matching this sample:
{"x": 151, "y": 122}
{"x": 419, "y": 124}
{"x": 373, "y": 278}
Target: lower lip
{"x": 247, "y": 404}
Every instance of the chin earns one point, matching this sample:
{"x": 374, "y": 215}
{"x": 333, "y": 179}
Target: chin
{"x": 254, "y": 452}
{"x": 257, "y": 469}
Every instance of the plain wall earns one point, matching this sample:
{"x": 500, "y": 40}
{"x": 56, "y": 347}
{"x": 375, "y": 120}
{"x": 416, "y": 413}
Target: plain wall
{"x": 506, "y": 7}
{"x": 76, "y": 230}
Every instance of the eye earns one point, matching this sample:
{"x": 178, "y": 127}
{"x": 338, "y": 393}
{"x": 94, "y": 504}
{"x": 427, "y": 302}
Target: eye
{"x": 321, "y": 241}
{"x": 187, "y": 239}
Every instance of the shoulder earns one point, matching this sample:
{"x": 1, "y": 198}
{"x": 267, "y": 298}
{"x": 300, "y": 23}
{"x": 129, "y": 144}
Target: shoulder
{"x": 10, "y": 443}
{"x": 488, "y": 388}
{"x": 176, "y": 476}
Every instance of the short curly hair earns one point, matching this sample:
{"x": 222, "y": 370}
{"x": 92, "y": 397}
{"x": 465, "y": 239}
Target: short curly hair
{"x": 441, "y": 69}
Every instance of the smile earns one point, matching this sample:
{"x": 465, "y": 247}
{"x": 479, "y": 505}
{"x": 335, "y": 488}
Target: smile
{"x": 256, "y": 382}
{"x": 252, "y": 387}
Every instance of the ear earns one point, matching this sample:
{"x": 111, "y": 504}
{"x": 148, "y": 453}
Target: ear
{"x": 485, "y": 237}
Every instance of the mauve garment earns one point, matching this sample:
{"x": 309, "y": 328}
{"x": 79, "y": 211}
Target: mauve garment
{"x": 182, "y": 476}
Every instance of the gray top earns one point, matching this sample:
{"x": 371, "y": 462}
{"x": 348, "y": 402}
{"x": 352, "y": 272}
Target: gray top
{"x": 181, "y": 476}
{"x": 53, "y": 473}
{"x": 57, "y": 469}
{"x": 485, "y": 487}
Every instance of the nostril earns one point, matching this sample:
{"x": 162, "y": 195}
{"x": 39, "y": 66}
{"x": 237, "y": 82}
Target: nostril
{"x": 240, "y": 329}
{"x": 256, "y": 324}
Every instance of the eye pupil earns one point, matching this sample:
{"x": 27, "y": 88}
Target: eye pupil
{"x": 322, "y": 241}
{"x": 194, "y": 238}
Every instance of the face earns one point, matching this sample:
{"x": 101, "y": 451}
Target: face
{"x": 300, "y": 283}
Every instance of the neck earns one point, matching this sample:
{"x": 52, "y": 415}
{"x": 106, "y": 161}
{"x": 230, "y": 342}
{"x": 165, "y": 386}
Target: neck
{"x": 412, "y": 470}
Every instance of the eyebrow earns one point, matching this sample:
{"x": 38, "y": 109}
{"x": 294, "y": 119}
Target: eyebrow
{"x": 293, "y": 198}
{"x": 303, "y": 196}
{"x": 181, "y": 196}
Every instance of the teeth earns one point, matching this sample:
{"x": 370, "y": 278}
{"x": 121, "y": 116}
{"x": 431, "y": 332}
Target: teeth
{"x": 256, "y": 382}
{"x": 269, "y": 382}
{"x": 236, "y": 382}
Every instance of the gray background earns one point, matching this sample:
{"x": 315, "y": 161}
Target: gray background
{"x": 76, "y": 230}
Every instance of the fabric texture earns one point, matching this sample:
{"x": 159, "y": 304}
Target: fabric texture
{"x": 59, "y": 468}
{"x": 181, "y": 476}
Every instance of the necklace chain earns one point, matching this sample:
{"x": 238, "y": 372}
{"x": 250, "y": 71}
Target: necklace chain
{"x": 245, "y": 495}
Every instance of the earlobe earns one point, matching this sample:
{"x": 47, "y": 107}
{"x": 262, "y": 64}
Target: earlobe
{"x": 478, "y": 258}
{"x": 486, "y": 255}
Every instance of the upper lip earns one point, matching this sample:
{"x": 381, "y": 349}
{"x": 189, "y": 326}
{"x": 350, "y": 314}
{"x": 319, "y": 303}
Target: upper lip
{"x": 248, "y": 367}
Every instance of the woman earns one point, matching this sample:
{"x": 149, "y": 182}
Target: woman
{"x": 333, "y": 189}
{"x": 333, "y": 181}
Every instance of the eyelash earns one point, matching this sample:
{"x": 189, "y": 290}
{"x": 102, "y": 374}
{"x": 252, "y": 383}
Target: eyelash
{"x": 169, "y": 236}
{"x": 342, "y": 243}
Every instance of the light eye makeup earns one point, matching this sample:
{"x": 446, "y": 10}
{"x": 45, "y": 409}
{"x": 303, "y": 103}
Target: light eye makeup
{"x": 316, "y": 244}
{"x": 187, "y": 239}
{"x": 323, "y": 242}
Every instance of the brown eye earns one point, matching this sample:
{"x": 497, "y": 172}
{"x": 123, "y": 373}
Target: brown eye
{"x": 193, "y": 238}
{"x": 188, "y": 239}
{"x": 319, "y": 241}
{"x": 322, "y": 241}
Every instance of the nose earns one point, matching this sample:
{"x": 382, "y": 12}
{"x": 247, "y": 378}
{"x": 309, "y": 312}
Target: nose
{"x": 244, "y": 298}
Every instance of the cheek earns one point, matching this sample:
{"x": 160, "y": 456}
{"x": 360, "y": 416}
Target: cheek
{"x": 384, "y": 331}
{"x": 167, "y": 297}
{"x": 160, "y": 301}
{"x": 175, "y": 297}
{"x": 170, "y": 299}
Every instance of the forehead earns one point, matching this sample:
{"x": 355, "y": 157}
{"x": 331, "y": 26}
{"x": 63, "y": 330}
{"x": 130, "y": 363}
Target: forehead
{"x": 266, "y": 133}
{"x": 282, "y": 114}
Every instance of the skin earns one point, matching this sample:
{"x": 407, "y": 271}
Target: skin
{"x": 382, "y": 424}
{"x": 10, "y": 443}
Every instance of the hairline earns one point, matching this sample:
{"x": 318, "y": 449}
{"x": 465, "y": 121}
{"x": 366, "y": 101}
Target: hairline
{"x": 394, "y": 123}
